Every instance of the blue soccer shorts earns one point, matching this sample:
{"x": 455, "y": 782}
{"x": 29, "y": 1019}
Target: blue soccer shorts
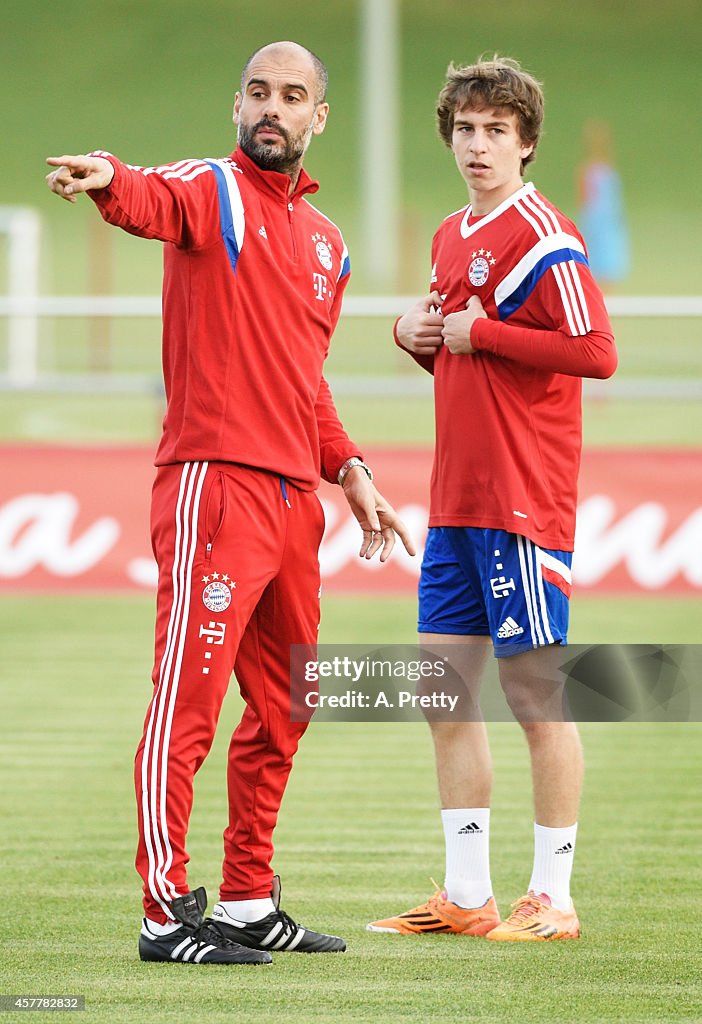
{"x": 480, "y": 582}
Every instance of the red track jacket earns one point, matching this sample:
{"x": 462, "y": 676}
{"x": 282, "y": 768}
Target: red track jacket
{"x": 253, "y": 281}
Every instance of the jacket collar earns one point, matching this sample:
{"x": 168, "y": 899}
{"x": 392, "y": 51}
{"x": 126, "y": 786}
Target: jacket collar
{"x": 274, "y": 182}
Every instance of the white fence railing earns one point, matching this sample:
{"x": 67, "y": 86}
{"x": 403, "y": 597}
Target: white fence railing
{"x": 354, "y": 305}
{"x": 24, "y": 313}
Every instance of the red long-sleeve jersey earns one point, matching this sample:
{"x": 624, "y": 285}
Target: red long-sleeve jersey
{"x": 253, "y": 281}
{"x": 508, "y": 416}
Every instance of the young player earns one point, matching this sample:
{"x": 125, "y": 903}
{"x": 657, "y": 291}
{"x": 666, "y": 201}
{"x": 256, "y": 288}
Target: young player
{"x": 513, "y": 322}
{"x": 254, "y": 276}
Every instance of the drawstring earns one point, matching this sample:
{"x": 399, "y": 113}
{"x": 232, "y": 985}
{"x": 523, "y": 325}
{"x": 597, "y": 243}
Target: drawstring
{"x": 284, "y": 492}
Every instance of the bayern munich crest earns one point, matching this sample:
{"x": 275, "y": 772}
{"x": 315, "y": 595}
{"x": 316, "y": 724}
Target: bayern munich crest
{"x": 323, "y": 250}
{"x": 479, "y": 269}
{"x": 217, "y": 595}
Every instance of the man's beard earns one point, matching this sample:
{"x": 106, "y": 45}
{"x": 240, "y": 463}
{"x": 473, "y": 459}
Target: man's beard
{"x": 268, "y": 155}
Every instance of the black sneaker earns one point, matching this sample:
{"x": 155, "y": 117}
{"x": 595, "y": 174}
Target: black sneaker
{"x": 198, "y": 941}
{"x": 276, "y": 931}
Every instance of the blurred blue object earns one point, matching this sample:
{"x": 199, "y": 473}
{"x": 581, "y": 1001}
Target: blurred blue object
{"x": 601, "y": 217}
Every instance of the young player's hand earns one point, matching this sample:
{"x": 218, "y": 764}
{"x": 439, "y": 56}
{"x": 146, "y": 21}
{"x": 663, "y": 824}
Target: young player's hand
{"x": 419, "y": 330}
{"x": 456, "y": 330}
{"x": 78, "y": 174}
{"x": 378, "y": 519}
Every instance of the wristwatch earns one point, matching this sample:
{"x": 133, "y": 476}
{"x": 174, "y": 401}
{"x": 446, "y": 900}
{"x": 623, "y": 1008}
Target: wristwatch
{"x": 349, "y": 464}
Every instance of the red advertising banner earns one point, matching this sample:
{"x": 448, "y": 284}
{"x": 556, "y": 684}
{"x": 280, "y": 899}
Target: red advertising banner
{"x": 77, "y": 518}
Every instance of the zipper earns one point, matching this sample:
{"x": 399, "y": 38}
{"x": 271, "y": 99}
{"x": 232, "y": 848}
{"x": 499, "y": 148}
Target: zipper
{"x": 292, "y": 231}
{"x": 218, "y": 486}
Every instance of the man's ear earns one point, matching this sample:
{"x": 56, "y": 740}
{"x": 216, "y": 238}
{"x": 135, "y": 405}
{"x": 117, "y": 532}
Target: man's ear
{"x": 320, "y": 118}
{"x": 237, "y": 108}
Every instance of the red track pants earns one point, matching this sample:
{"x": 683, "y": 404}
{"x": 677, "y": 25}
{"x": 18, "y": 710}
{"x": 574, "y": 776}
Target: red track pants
{"x": 238, "y": 584}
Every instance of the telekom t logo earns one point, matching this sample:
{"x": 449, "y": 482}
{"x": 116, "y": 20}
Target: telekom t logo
{"x": 319, "y": 282}
{"x": 215, "y": 633}
{"x": 500, "y": 585}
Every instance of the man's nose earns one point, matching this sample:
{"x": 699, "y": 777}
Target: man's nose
{"x": 271, "y": 107}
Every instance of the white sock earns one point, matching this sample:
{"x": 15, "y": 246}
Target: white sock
{"x": 162, "y": 929}
{"x": 247, "y": 911}
{"x": 467, "y": 838}
{"x": 553, "y": 863}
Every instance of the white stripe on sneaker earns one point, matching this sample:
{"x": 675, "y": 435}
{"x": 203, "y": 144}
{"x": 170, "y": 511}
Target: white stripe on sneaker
{"x": 198, "y": 956}
{"x": 272, "y": 934}
{"x": 297, "y": 939}
{"x": 282, "y": 942}
{"x": 190, "y": 951}
{"x": 175, "y": 953}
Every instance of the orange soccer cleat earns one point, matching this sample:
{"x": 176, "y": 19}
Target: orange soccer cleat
{"x": 533, "y": 919}
{"x": 440, "y": 916}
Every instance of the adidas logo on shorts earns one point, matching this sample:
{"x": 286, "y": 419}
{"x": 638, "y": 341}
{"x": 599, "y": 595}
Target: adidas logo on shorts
{"x": 509, "y": 628}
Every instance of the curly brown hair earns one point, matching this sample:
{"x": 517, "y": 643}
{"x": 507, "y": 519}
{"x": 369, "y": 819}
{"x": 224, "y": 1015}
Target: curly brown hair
{"x": 499, "y": 83}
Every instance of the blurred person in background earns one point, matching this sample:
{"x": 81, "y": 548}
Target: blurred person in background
{"x": 253, "y": 280}
{"x": 601, "y": 214}
{"x": 512, "y": 323}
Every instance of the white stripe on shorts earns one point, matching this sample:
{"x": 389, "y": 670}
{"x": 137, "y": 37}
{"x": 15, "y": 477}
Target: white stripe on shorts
{"x": 532, "y": 583}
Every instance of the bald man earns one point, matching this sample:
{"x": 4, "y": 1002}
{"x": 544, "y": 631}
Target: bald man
{"x": 253, "y": 281}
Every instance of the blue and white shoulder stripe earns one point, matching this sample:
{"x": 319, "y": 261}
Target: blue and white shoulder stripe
{"x": 232, "y": 218}
{"x": 555, "y": 250}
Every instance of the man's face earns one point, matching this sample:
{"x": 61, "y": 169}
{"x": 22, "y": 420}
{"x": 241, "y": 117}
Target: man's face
{"x": 489, "y": 154}
{"x": 277, "y": 113}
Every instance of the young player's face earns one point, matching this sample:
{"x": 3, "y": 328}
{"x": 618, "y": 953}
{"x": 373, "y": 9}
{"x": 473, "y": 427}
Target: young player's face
{"x": 489, "y": 153}
{"x": 277, "y": 113}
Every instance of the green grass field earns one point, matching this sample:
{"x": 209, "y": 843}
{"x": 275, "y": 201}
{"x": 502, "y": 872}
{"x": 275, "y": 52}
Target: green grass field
{"x": 359, "y": 837}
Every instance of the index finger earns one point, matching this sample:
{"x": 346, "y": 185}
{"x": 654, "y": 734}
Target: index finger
{"x": 427, "y": 301}
{"x": 68, "y": 160}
